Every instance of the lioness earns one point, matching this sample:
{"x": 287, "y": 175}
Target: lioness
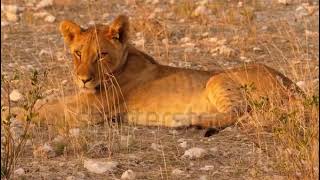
{"x": 116, "y": 79}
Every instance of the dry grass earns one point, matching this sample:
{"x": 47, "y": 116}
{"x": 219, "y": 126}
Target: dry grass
{"x": 288, "y": 135}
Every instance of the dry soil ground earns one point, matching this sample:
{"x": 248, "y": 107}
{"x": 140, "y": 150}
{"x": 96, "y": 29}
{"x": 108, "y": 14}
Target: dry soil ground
{"x": 225, "y": 34}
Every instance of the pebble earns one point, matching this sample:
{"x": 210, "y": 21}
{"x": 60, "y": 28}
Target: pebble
{"x": 15, "y": 95}
{"x": 44, "y": 151}
{"x": 128, "y": 175}
{"x": 207, "y": 168}
{"x": 19, "y": 172}
{"x": 156, "y": 147}
{"x": 185, "y": 39}
{"x": 50, "y": 18}
{"x": 12, "y": 17}
{"x": 44, "y": 4}
{"x": 4, "y": 23}
{"x": 183, "y": 144}
{"x": 74, "y": 132}
{"x": 177, "y": 172}
{"x": 284, "y": 2}
{"x": 99, "y": 166}
{"x": 257, "y": 49}
{"x": 301, "y": 84}
{"x": 71, "y": 178}
{"x": 194, "y": 153}
{"x": 201, "y": 11}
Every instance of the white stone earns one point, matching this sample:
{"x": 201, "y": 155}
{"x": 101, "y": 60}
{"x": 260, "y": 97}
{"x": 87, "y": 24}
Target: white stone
{"x": 240, "y": 4}
{"x": 71, "y": 178}
{"x": 139, "y": 42}
{"x": 310, "y": 33}
{"x": 44, "y": 150}
{"x": 64, "y": 82}
{"x": 257, "y": 49}
{"x": 301, "y": 84}
{"x": 4, "y": 23}
{"x": 185, "y": 39}
{"x": 13, "y": 17}
{"x": 214, "y": 149}
{"x": 128, "y": 175}
{"x": 74, "y": 132}
{"x": 207, "y": 168}
{"x": 165, "y": 41}
{"x": 11, "y": 8}
{"x": 183, "y": 144}
{"x": 50, "y": 18}
{"x": 203, "y": 177}
{"x": 201, "y": 11}
{"x": 44, "y": 4}
{"x": 44, "y": 52}
{"x": 177, "y": 172}
{"x": 126, "y": 141}
{"x": 19, "y": 172}
{"x": 285, "y": 2}
{"x": 99, "y": 166}
{"x": 194, "y": 153}
{"x": 156, "y": 147}
{"x": 15, "y": 95}
{"x": 41, "y": 14}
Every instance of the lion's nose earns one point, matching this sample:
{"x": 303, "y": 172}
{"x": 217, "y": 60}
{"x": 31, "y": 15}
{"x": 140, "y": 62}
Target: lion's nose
{"x": 84, "y": 80}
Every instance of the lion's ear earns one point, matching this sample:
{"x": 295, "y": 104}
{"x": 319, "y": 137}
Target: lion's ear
{"x": 69, "y": 30}
{"x": 119, "y": 29}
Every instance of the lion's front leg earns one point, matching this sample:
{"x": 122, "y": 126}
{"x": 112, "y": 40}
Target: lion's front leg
{"x": 73, "y": 111}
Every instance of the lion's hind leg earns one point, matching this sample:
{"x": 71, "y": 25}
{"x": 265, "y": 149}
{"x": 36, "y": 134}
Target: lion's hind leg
{"x": 227, "y": 98}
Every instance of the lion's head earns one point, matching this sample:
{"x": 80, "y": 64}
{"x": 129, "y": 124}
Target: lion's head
{"x": 97, "y": 51}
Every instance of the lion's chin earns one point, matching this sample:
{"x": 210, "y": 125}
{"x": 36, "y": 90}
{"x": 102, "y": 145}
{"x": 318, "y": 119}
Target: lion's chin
{"x": 88, "y": 90}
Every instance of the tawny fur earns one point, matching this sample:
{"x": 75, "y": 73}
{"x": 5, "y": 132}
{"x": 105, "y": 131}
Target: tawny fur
{"x": 116, "y": 79}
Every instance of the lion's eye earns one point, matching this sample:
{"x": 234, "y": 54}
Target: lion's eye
{"x": 102, "y": 55}
{"x": 78, "y": 54}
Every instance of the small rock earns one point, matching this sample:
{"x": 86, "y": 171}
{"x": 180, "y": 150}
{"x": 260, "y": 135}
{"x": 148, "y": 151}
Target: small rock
{"x": 185, "y": 39}
{"x": 301, "y": 84}
{"x": 41, "y": 14}
{"x": 15, "y": 95}
{"x": 203, "y": 177}
{"x": 156, "y": 147}
{"x": 12, "y": 17}
{"x": 240, "y": 4}
{"x": 194, "y": 153}
{"x": 165, "y": 41}
{"x": 44, "y": 4}
{"x": 44, "y": 52}
{"x": 4, "y": 23}
{"x": 126, "y": 141}
{"x": 177, "y": 172}
{"x": 64, "y": 82}
{"x": 139, "y": 42}
{"x": 129, "y": 175}
{"x": 74, "y": 132}
{"x": 183, "y": 144}
{"x": 257, "y": 49}
{"x": 12, "y": 8}
{"x": 44, "y": 151}
{"x": 99, "y": 166}
{"x": 201, "y": 11}
{"x": 214, "y": 149}
{"x": 224, "y": 50}
{"x": 310, "y": 33}
{"x": 207, "y": 168}
{"x": 19, "y": 172}
{"x": 284, "y": 2}
{"x": 71, "y": 178}
{"x": 50, "y": 18}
